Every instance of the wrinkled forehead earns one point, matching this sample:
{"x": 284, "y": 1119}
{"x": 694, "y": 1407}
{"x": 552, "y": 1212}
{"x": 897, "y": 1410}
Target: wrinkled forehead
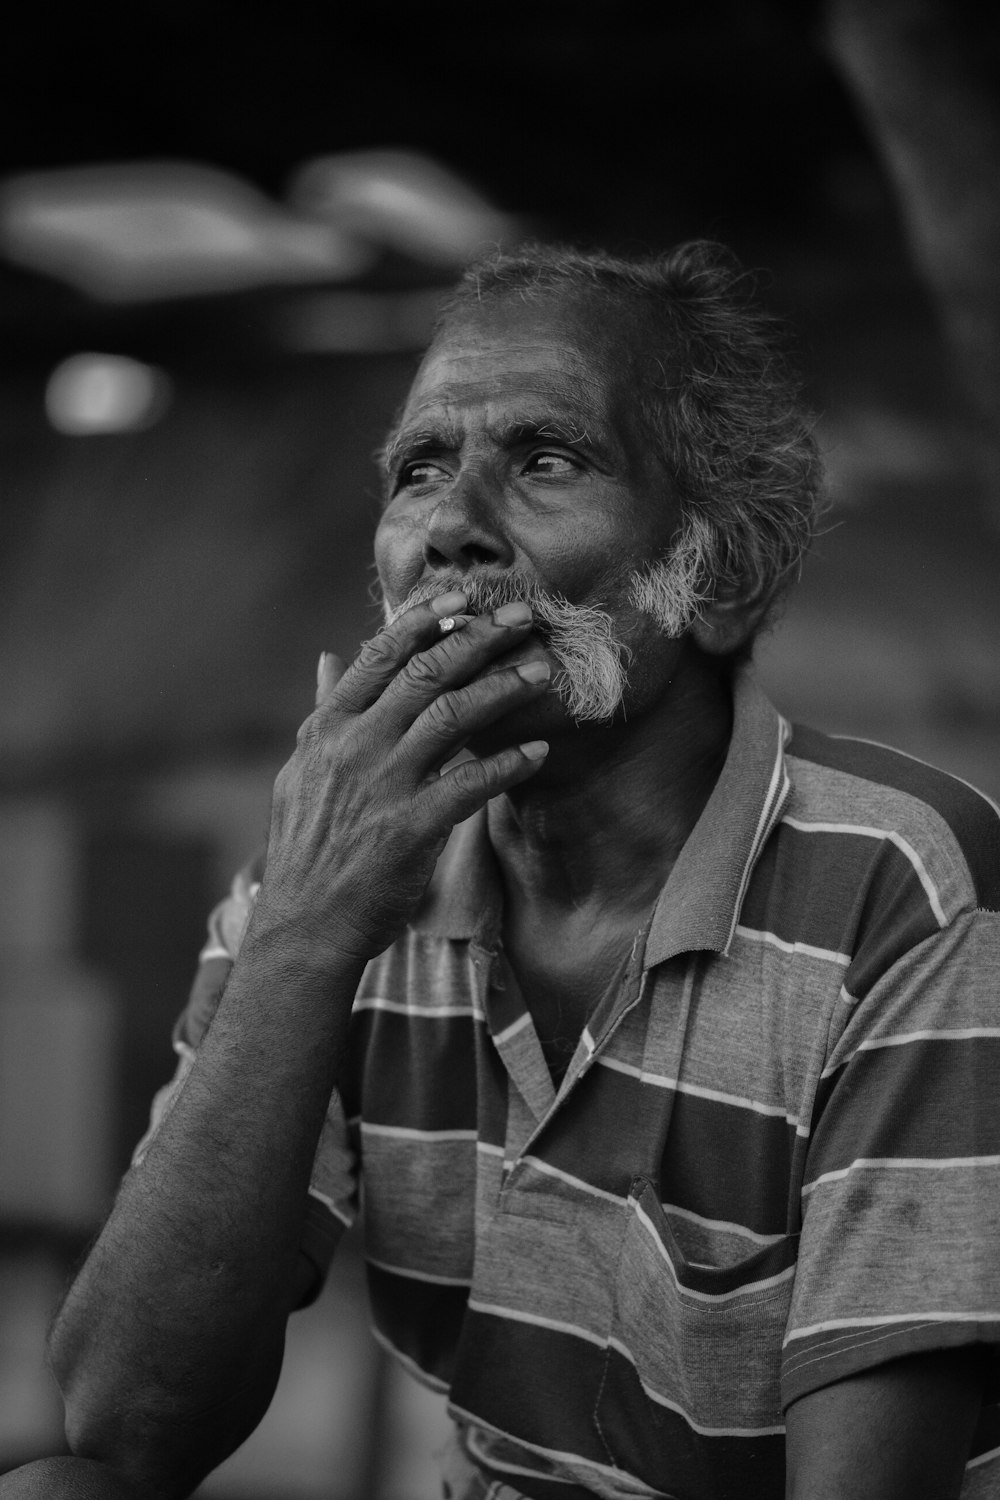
{"x": 576, "y": 353}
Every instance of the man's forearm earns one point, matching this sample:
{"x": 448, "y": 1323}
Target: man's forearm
{"x": 173, "y": 1331}
{"x": 169, "y": 1343}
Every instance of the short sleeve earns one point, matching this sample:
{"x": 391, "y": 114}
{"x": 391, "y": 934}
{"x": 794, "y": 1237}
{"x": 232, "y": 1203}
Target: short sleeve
{"x": 333, "y": 1186}
{"x": 901, "y": 1192}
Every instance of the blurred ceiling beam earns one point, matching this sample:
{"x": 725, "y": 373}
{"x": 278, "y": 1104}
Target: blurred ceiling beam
{"x": 132, "y": 232}
{"x": 927, "y": 86}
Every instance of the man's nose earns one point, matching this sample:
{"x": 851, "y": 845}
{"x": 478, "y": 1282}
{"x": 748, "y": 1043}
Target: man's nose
{"x": 465, "y": 528}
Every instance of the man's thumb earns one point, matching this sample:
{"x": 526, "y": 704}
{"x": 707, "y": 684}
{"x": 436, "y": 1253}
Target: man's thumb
{"x": 329, "y": 671}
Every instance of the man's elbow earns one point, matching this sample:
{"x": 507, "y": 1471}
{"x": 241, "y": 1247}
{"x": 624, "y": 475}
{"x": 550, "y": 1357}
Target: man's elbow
{"x": 163, "y": 1457}
{"x": 92, "y": 1405}
{"x": 124, "y": 1431}
{"x": 156, "y": 1433}
{"x": 95, "y": 1432}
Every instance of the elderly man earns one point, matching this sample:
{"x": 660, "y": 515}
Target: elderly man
{"x": 662, "y": 1037}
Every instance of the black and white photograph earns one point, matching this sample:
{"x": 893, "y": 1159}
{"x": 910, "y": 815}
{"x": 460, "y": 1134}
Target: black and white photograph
{"x": 500, "y": 750}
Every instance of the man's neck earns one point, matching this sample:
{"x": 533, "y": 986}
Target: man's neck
{"x": 601, "y": 826}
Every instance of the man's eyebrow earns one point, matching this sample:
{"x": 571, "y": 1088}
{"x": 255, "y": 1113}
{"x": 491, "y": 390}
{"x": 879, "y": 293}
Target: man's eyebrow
{"x": 410, "y": 442}
{"x": 573, "y": 430}
{"x": 558, "y": 429}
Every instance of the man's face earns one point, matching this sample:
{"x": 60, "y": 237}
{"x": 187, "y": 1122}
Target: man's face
{"x": 519, "y": 460}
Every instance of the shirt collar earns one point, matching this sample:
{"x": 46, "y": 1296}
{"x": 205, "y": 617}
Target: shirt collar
{"x": 699, "y": 905}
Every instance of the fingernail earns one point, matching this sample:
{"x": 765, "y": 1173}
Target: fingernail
{"x": 449, "y": 604}
{"x": 534, "y": 671}
{"x": 535, "y": 749}
{"x": 319, "y": 669}
{"x": 517, "y": 613}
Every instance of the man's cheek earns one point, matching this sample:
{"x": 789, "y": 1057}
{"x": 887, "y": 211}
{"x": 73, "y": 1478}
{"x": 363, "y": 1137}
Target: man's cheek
{"x": 398, "y": 553}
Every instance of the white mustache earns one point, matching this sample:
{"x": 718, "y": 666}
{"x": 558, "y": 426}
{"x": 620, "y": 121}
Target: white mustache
{"x": 487, "y": 591}
{"x": 581, "y": 637}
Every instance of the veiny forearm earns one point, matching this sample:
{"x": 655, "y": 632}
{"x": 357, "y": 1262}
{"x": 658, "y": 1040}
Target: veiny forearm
{"x": 170, "y": 1341}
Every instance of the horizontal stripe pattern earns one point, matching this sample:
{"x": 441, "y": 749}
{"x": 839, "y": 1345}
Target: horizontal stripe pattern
{"x": 751, "y": 1277}
{"x": 845, "y": 892}
{"x": 756, "y": 1177}
{"x": 564, "y": 1381}
{"x": 971, "y": 819}
{"x": 744, "y": 1164}
{"x": 730, "y": 1464}
{"x": 549, "y": 1405}
{"x": 421, "y": 1320}
{"x": 835, "y": 1353}
{"x": 890, "y": 836}
{"x": 399, "y": 1061}
{"x": 905, "y": 1101}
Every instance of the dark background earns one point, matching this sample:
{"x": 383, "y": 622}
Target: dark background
{"x": 570, "y": 111}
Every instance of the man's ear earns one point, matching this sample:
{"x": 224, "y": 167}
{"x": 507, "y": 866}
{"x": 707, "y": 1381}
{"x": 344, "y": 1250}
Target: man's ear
{"x": 731, "y": 620}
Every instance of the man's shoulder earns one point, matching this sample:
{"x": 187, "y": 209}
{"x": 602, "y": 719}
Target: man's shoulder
{"x": 845, "y": 784}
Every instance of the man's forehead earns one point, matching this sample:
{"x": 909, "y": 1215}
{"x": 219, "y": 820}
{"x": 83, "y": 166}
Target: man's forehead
{"x": 553, "y": 350}
{"x": 585, "y": 322}
{"x": 526, "y": 383}
{"x": 471, "y": 353}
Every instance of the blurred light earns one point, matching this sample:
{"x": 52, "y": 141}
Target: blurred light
{"x": 127, "y": 232}
{"x": 403, "y": 200}
{"x": 100, "y": 393}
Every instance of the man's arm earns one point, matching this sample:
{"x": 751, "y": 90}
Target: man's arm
{"x": 169, "y": 1343}
{"x": 898, "y": 1432}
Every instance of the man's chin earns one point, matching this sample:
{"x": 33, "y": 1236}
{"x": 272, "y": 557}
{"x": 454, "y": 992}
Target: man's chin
{"x": 543, "y": 719}
{"x": 546, "y": 718}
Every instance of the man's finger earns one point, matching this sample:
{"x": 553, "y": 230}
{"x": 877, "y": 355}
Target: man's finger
{"x": 330, "y": 670}
{"x": 447, "y": 664}
{"x": 470, "y": 784}
{"x": 453, "y": 717}
{"x": 384, "y": 656}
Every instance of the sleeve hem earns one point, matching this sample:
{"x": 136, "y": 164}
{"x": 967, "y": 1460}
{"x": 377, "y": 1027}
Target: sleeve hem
{"x": 822, "y": 1358}
{"x": 322, "y": 1232}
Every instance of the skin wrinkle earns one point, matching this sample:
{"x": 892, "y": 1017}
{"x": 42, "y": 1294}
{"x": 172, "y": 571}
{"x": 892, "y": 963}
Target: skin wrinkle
{"x": 582, "y": 395}
{"x": 403, "y": 447}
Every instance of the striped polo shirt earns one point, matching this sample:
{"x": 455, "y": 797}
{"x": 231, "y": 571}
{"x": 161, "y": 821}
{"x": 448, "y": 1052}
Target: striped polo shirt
{"x": 773, "y": 1161}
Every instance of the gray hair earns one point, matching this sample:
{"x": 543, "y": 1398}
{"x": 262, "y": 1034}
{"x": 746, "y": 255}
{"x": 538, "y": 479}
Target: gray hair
{"x": 720, "y": 401}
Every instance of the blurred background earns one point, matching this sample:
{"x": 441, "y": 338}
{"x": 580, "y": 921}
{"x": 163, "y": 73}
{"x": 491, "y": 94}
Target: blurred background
{"x": 222, "y": 234}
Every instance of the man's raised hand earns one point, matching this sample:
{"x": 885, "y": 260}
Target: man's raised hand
{"x": 364, "y": 806}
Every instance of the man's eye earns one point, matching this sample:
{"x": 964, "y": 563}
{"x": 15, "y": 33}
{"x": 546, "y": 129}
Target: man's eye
{"x": 555, "y": 464}
{"x": 418, "y": 473}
